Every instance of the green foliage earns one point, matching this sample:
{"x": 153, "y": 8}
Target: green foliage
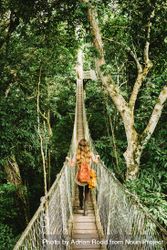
{"x": 100, "y": 112}
{"x": 149, "y": 188}
{"x": 34, "y": 37}
{"x": 152, "y": 182}
{"x": 8, "y": 200}
{"x": 19, "y": 126}
{"x": 39, "y": 36}
{"x": 7, "y": 238}
{"x": 10, "y": 213}
{"x": 63, "y": 106}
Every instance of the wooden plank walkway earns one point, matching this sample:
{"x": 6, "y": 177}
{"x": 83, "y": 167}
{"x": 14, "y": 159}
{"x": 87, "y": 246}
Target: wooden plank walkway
{"x": 84, "y": 233}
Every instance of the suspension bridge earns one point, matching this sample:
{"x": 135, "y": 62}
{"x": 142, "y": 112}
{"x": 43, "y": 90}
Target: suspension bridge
{"x": 115, "y": 218}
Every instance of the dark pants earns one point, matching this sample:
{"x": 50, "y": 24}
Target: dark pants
{"x": 81, "y": 190}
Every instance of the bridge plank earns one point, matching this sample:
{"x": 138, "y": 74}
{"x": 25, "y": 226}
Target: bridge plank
{"x": 84, "y": 227}
{"x": 81, "y": 219}
{"x": 86, "y": 247}
{"x": 80, "y": 212}
{"x": 85, "y": 236}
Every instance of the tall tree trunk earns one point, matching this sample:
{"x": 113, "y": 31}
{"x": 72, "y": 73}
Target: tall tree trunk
{"x": 13, "y": 176}
{"x": 132, "y": 156}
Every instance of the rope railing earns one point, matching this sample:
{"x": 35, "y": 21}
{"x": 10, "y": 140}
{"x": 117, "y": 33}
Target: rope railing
{"x": 50, "y": 224}
{"x": 125, "y": 222}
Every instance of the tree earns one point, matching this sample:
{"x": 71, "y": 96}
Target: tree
{"x": 136, "y": 141}
{"x": 32, "y": 50}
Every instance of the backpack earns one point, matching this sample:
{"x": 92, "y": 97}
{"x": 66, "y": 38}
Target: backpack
{"x": 83, "y": 175}
{"x": 92, "y": 183}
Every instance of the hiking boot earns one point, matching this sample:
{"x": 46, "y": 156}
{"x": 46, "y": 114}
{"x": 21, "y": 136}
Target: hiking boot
{"x": 81, "y": 206}
{"x": 86, "y": 213}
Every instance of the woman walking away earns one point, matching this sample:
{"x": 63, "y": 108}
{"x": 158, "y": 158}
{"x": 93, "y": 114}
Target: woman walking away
{"x": 83, "y": 160}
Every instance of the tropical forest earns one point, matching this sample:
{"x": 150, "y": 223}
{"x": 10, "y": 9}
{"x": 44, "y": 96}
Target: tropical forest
{"x": 124, "y": 76}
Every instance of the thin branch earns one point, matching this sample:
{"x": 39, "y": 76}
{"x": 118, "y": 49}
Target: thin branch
{"x": 44, "y": 117}
{"x": 155, "y": 116}
{"x": 31, "y": 97}
{"x": 38, "y": 96}
{"x": 147, "y": 44}
{"x": 8, "y": 89}
{"x": 40, "y": 133}
{"x": 130, "y": 51}
{"x": 135, "y": 91}
{"x": 142, "y": 72}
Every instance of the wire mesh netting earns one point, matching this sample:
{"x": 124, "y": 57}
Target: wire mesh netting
{"x": 125, "y": 224}
{"x": 49, "y": 226}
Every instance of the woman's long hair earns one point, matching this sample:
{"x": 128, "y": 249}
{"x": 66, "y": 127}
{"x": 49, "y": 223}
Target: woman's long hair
{"x": 83, "y": 152}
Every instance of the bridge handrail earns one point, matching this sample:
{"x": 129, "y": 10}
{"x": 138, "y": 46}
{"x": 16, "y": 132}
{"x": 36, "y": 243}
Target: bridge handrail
{"x": 112, "y": 198}
{"x": 143, "y": 217}
{"x": 42, "y": 213}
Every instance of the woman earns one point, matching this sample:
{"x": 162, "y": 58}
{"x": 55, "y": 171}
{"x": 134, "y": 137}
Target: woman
{"x": 83, "y": 156}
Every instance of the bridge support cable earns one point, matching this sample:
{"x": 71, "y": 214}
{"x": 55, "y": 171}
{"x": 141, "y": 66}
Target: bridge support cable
{"x": 52, "y": 220}
{"x": 120, "y": 218}
{"x": 121, "y": 215}
{"x": 125, "y": 222}
{"x": 37, "y": 236}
